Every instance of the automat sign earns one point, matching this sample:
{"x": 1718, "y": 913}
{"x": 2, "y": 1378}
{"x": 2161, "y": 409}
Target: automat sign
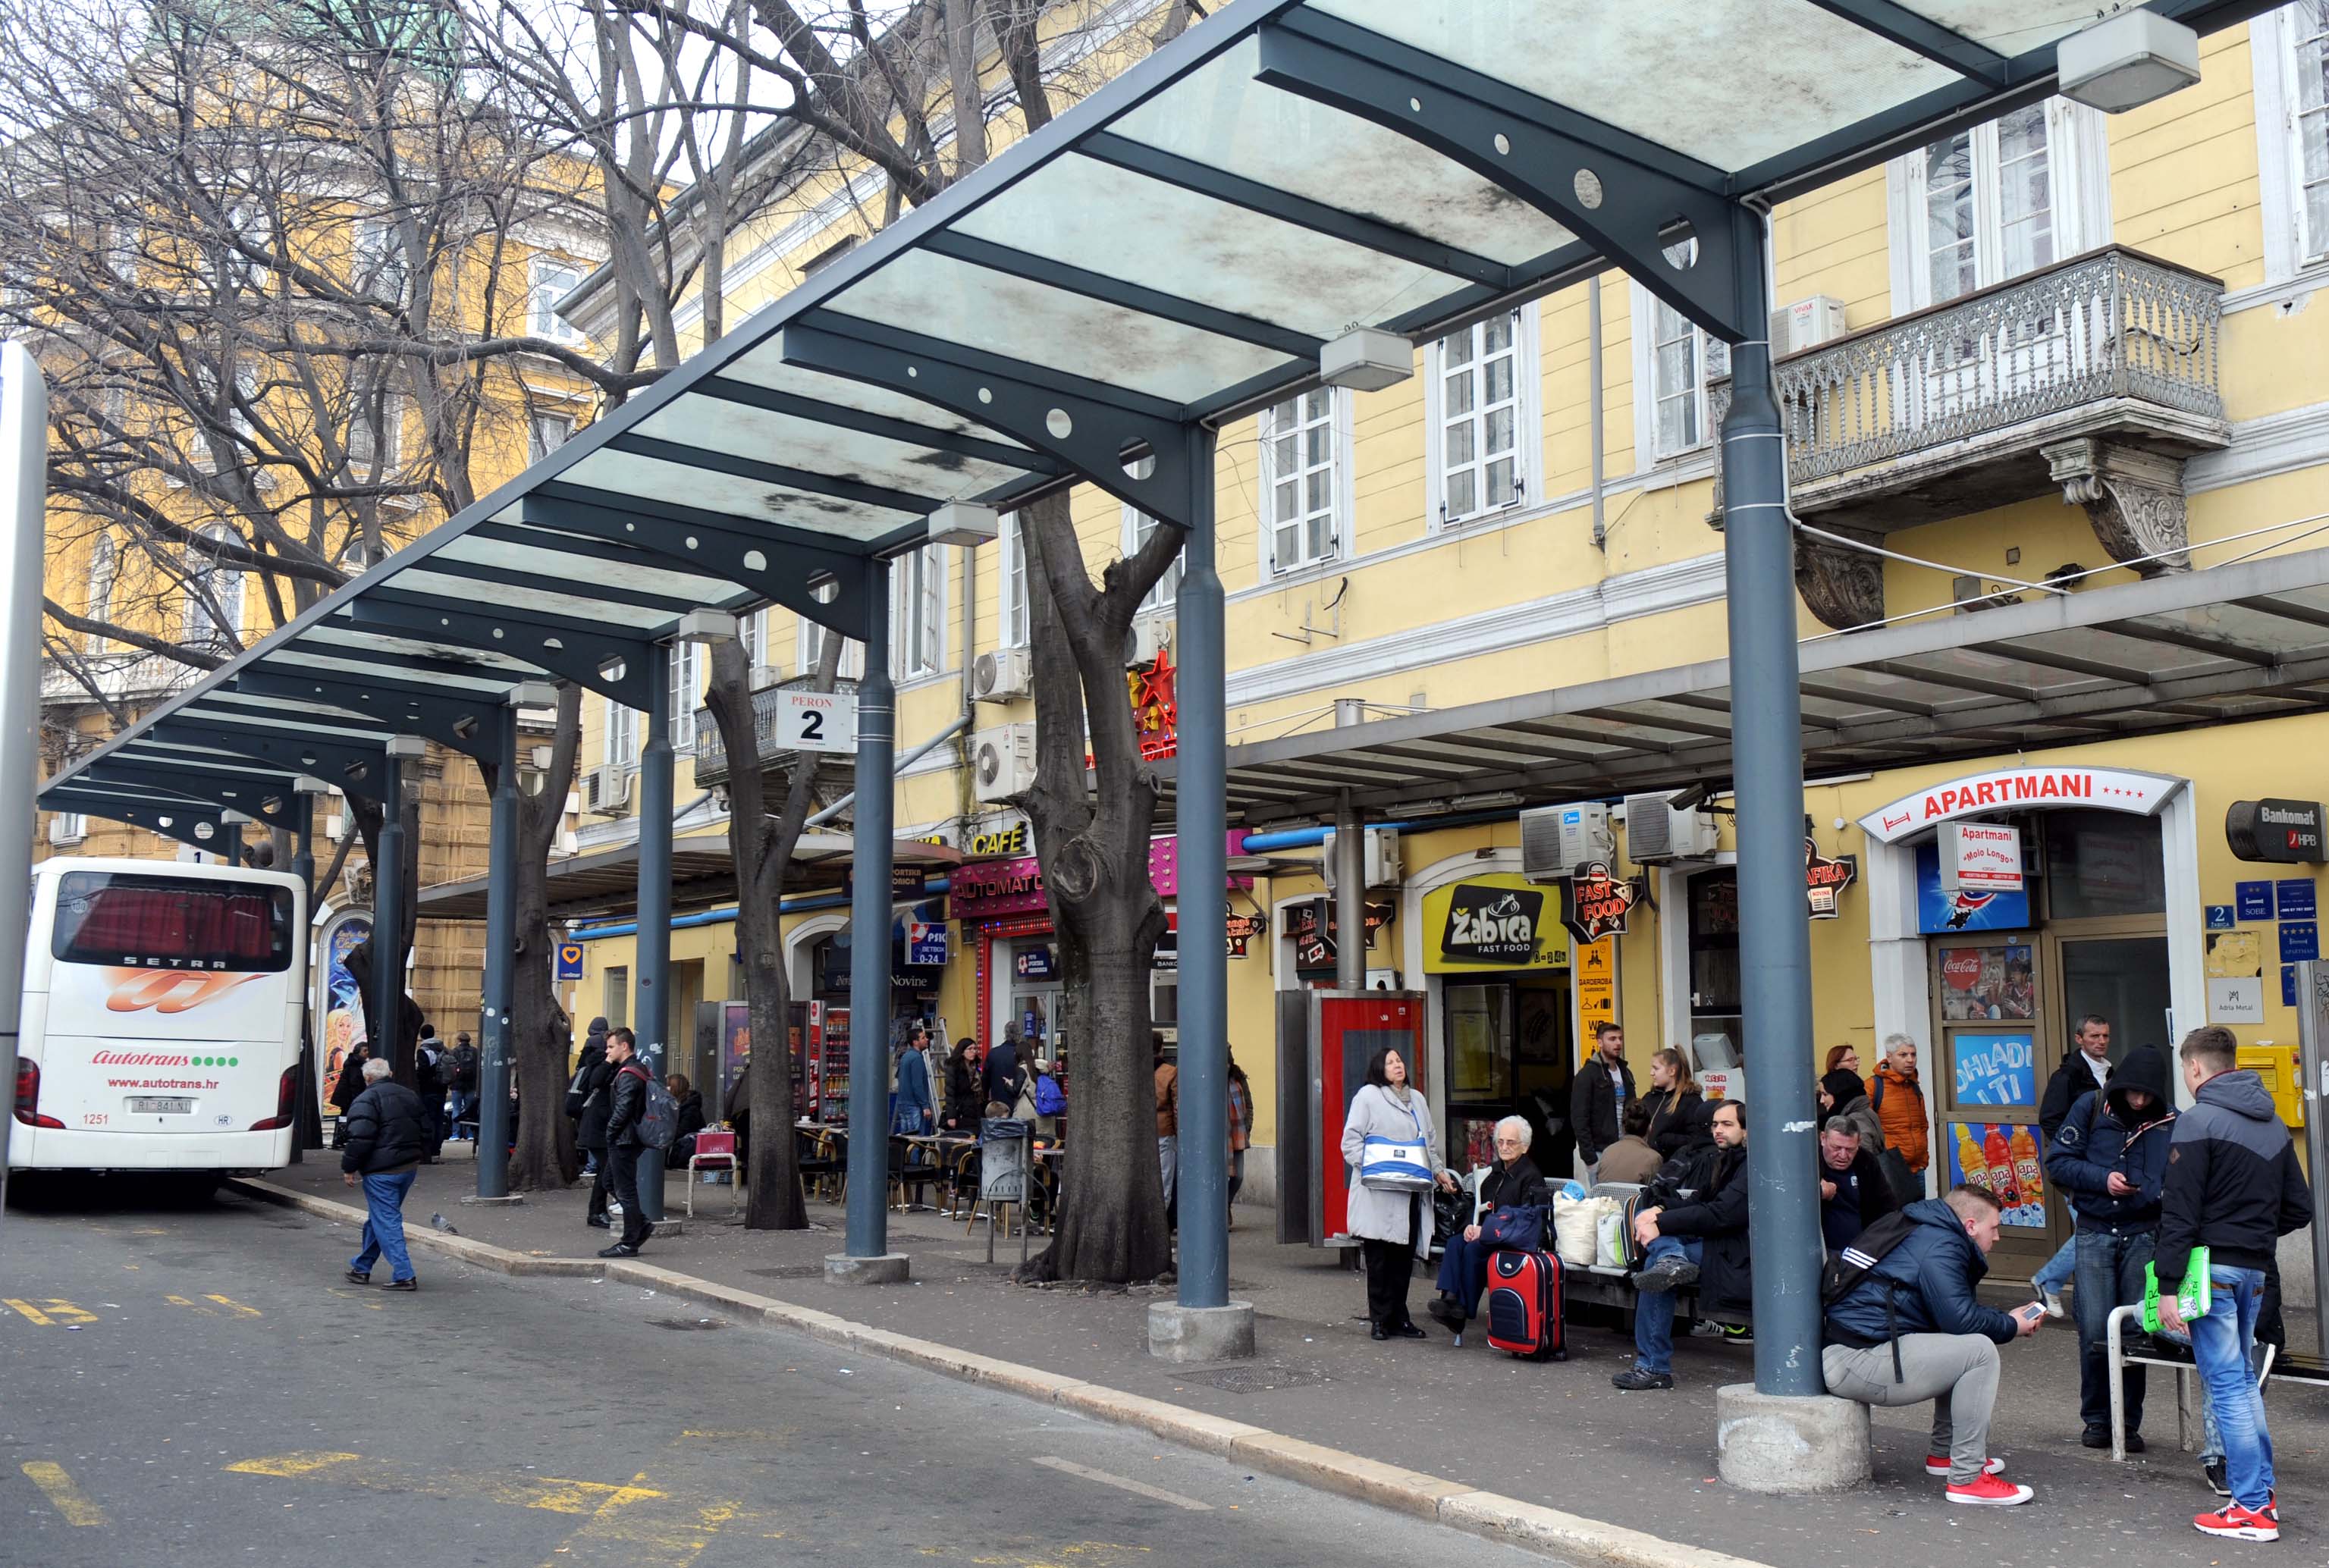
{"x": 2289, "y": 831}
{"x": 1599, "y": 903}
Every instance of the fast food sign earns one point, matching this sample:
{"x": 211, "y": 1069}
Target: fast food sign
{"x": 1597, "y": 903}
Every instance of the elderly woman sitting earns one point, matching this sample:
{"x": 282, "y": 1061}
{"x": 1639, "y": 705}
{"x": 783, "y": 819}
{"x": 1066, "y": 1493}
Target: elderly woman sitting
{"x": 1512, "y": 1182}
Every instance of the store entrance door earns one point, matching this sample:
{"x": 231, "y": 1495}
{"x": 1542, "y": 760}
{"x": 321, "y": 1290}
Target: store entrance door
{"x": 2121, "y": 978}
{"x": 1509, "y": 1054}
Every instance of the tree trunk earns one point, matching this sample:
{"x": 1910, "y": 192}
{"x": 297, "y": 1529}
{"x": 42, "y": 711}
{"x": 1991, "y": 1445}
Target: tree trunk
{"x": 541, "y": 1034}
{"x": 403, "y": 1033}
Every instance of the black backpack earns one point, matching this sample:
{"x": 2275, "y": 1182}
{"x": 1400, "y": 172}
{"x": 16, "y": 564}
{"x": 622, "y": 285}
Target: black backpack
{"x": 1851, "y": 1265}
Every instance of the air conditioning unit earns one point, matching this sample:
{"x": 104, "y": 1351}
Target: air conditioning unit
{"x": 1806, "y": 324}
{"x": 1151, "y": 636}
{"x": 335, "y": 828}
{"x": 606, "y": 789}
{"x": 65, "y": 828}
{"x": 766, "y": 677}
{"x": 1656, "y": 831}
{"x": 1556, "y": 839}
{"x": 1001, "y": 675}
{"x": 1381, "y": 855}
{"x": 1004, "y": 760}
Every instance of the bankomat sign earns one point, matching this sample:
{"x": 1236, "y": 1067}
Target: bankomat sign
{"x": 2289, "y": 831}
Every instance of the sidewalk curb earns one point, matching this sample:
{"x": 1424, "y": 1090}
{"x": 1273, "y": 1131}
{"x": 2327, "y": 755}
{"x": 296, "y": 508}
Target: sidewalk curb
{"x": 1488, "y": 1514}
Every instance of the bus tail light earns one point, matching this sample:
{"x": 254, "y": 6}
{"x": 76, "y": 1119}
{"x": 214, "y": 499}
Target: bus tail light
{"x": 28, "y": 1095}
{"x": 287, "y": 1099}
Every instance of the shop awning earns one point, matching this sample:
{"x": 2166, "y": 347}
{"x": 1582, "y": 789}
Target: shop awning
{"x": 2176, "y": 652}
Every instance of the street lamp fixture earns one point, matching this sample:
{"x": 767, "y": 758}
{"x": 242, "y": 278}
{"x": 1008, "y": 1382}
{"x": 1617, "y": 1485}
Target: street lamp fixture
{"x": 2127, "y": 61}
{"x": 707, "y": 627}
{"x": 965, "y": 522}
{"x": 1366, "y": 359}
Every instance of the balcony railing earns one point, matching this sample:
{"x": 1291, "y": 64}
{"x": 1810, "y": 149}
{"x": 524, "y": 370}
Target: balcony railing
{"x": 711, "y": 754}
{"x": 2126, "y": 344}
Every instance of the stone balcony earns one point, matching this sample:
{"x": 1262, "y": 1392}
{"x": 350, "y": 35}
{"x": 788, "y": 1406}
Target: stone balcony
{"x": 712, "y": 770}
{"x": 2093, "y": 380}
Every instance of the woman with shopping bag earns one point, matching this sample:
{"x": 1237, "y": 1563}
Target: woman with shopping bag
{"x": 1393, "y": 1153}
{"x": 1513, "y": 1199}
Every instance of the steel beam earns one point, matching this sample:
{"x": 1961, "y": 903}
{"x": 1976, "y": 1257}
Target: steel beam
{"x": 461, "y": 726}
{"x": 183, "y": 821}
{"x": 247, "y": 793}
{"x": 1092, "y": 427}
{"x": 352, "y": 769}
{"x": 307, "y": 1114}
{"x": 439, "y": 564}
{"x": 1634, "y": 200}
{"x": 1201, "y": 817}
{"x": 1918, "y": 34}
{"x": 651, "y": 993}
{"x": 567, "y": 650}
{"x": 761, "y": 472}
{"x": 904, "y": 431}
{"x": 499, "y": 1001}
{"x": 869, "y": 855}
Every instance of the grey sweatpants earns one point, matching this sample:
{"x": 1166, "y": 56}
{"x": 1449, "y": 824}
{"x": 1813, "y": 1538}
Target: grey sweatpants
{"x": 1957, "y": 1372}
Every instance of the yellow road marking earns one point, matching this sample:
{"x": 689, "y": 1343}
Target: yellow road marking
{"x": 237, "y": 1308}
{"x": 195, "y": 1306}
{"x": 52, "y": 1311}
{"x": 67, "y": 1499}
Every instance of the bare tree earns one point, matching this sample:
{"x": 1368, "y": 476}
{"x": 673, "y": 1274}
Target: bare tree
{"x": 540, "y": 1031}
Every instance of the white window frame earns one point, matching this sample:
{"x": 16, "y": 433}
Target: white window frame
{"x": 918, "y": 584}
{"x": 683, "y": 673}
{"x": 224, "y": 584}
{"x": 2078, "y": 163}
{"x": 536, "y": 448}
{"x": 809, "y": 640}
{"x": 1709, "y": 357}
{"x": 104, "y": 575}
{"x": 752, "y": 631}
{"x": 1342, "y": 489}
{"x": 622, "y": 735}
{"x": 544, "y": 291}
{"x": 1014, "y": 611}
{"x": 1528, "y": 422}
{"x": 2289, "y": 248}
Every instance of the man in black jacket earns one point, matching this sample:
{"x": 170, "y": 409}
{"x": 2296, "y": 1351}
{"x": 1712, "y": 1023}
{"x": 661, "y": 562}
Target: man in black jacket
{"x": 627, "y": 1096}
{"x": 2081, "y": 1073}
{"x": 1598, "y": 1098}
{"x": 1701, "y": 1241}
{"x": 2234, "y": 1187}
{"x": 461, "y": 1065}
{"x": 387, "y": 1136}
{"x": 586, "y": 1103}
{"x": 1853, "y": 1191}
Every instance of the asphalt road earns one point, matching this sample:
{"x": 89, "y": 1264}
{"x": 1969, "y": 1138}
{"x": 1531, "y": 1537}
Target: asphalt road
{"x": 197, "y": 1385}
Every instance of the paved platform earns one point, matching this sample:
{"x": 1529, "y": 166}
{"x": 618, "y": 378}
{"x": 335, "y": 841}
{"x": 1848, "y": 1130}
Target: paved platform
{"x": 1556, "y": 1433}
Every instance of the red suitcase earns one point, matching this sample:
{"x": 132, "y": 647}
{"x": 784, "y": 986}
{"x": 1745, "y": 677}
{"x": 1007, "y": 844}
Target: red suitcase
{"x": 1522, "y": 1306}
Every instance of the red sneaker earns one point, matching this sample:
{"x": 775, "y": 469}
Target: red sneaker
{"x": 1989, "y": 1491}
{"x": 1938, "y": 1464}
{"x": 2240, "y": 1524}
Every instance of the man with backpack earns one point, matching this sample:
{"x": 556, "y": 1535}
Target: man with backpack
{"x": 630, "y": 1128}
{"x": 1903, "y": 1326}
{"x": 461, "y": 1065}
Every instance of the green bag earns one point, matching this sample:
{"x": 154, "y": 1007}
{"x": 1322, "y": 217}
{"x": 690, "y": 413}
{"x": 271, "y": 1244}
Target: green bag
{"x": 2192, "y": 1300}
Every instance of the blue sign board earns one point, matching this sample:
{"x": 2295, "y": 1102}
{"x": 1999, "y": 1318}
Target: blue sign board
{"x": 2220, "y": 917}
{"x": 2299, "y": 940}
{"x": 2295, "y": 896}
{"x": 1939, "y": 911}
{"x": 1035, "y": 963}
{"x": 569, "y": 962}
{"x": 2254, "y": 899}
{"x": 926, "y": 944}
{"x": 2288, "y": 985}
{"x": 1995, "y": 1069}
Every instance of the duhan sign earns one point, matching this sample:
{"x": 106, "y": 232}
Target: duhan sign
{"x": 2286, "y": 831}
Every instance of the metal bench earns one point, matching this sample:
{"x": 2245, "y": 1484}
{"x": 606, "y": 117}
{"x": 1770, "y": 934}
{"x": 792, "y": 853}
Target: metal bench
{"x": 2178, "y": 1358}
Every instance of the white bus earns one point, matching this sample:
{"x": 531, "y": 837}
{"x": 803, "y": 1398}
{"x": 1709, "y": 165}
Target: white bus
{"x": 161, "y": 1019}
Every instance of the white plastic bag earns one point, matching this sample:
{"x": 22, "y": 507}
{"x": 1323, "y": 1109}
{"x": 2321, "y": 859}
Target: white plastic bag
{"x": 1609, "y": 1251}
{"x": 1575, "y": 1235}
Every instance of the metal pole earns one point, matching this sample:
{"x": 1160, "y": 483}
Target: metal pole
{"x": 1350, "y": 898}
{"x": 869, "y": 933}
{"x": 651, "y": 997}
{"x": 500, "y": 998}
{"x": 388, "y": 914}
{"x": 306, "y": 1122}
{"x": 1202, "y": 808}
{"x": 1773, "y": 927}
{"x": 2312, "y": 1067}
{"x": 23, "y": 488}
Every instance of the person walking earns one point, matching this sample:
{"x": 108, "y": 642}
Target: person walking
{"x": 1679, "y": 1117}
{"x": 1898, "y": 1103}
{"x": 429, "y": 1083}
{"x": 462, "y": 1063}
{"x": 1167, "y": 1077}
{"x": 1390, "y": 1224}
{"x": 344, "y": 1090}
{"x": 2234, "y": 1187}
{"x": 586, "y": 1103}
{"x": 594, "y": 1049}
{"x": 2079, "y": 1072}
{"x": 2111, "y": 1152}
{"x": 627, "y": 1097}
{"x": 1598, "y": 1098}
{"x": 911, "y": 1112}
{"x": 1909, "y": 1328}
{"x": 387, "y": 1134}
{"x": 1241, "y": 1131}
{"x": 1005, "y": 1074}
{"x": 1698, "y": 1240}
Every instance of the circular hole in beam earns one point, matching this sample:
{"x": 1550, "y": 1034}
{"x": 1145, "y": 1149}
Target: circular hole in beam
{"x": 1415, "y": 105}
{"x": 754, "y": 561}
{"x": 1057, "y": 423}
{"x": 1503, "y": 144}
{"x": 986, "y": 394}
{"x": 1679, "y": 243}
{"x": 1588, "y": 186}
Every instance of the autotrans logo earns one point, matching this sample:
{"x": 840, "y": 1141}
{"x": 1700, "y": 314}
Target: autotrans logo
{"x": 165, "y": 991}
{"x": 161, "y": 1059}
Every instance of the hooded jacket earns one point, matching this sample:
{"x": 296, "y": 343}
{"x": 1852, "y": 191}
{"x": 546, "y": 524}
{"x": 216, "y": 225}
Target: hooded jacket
{"x": 1900, "y": 1106}
{"x": 2233, "y": 1185}
{"x": 1717, "y": 1215}
{"x": 1925, "y": 1285}
{"x": 2101, "y": 1134}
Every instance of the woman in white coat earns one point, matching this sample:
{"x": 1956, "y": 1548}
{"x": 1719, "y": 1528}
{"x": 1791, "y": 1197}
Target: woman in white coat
{"x": 1393, "y": 1227}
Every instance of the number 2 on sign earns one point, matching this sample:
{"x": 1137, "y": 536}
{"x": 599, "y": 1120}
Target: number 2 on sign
{"x": 812, "y": 724}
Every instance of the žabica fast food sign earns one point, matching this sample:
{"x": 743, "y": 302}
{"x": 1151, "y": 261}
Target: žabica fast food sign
{"x": 1597, "y": 903}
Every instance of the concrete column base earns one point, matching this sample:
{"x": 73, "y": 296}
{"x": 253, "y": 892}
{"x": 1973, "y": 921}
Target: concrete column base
{"x": 473, "y": 1201}
{"x": 1784, "y": 1444}
{"x": 888, "y": 1268}
{"x": 1178, "y": 1333}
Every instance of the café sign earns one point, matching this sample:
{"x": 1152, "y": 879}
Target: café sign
{"x": 2108, "y": 789}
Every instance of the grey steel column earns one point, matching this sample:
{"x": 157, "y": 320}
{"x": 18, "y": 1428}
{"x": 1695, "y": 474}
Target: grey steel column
{"x": 500, "y": 999}
{"x": 1774, "y": 924}
{"x": 1201, "y": 808}
{"x": 869, "y": 933}
{"x": 388, "y": 914}
{"x": 1350, "y": 898}
{"x": 651, "y": 997}
{"x": 2313, "y": 1069}
{"x": 306, "y": 1121}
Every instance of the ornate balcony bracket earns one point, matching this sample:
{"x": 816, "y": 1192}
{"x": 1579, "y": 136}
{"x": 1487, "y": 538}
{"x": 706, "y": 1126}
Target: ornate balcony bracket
{"x": 2132, "y": 498}
{"x": 1843, "y": 587}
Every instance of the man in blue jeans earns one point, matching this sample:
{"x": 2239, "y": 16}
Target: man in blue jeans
{"x": 2233, "y": 1187}
{"x": 2081, "y": 1072}
{"x": 1692, "y": 1230}
{"x": 388, "y": 1133}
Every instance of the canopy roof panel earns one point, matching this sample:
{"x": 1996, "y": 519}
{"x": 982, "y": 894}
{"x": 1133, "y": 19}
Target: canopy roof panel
{"x": 1174, "y": 248}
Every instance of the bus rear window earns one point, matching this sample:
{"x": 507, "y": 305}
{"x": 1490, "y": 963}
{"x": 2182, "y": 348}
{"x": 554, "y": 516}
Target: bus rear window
{"x": 172, "y": 922}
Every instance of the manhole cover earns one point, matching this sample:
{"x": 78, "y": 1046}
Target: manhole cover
{"x": 1254, "y": 1379}
{"x": 791, "y": 1271}
{"x": 687, "y": 1323}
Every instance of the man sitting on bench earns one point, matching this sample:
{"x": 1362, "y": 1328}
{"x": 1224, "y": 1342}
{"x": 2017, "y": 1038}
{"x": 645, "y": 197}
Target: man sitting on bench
{"x": 1691, "y": 1229}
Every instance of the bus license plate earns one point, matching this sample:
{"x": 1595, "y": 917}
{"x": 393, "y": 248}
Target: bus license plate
{"x": 161, "y": 1107}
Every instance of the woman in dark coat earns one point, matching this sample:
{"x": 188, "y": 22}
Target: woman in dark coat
{"x": 1679, "y": 1116}
{"x": 1512, "y": 1182}
{"x": 691, "y": 1121}
{"x": 964, "y": 1090}
{"x": 586, "y": 1102}
{"x": 349, "y": 1085}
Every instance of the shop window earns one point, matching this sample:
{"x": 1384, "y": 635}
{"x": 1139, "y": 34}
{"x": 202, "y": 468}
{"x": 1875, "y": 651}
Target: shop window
{"x": 2103, "y": 863}
{"x": 616, "y": 1010}
{"x": 1479, "y": 1042}
{"x": 1713, "y": 937}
